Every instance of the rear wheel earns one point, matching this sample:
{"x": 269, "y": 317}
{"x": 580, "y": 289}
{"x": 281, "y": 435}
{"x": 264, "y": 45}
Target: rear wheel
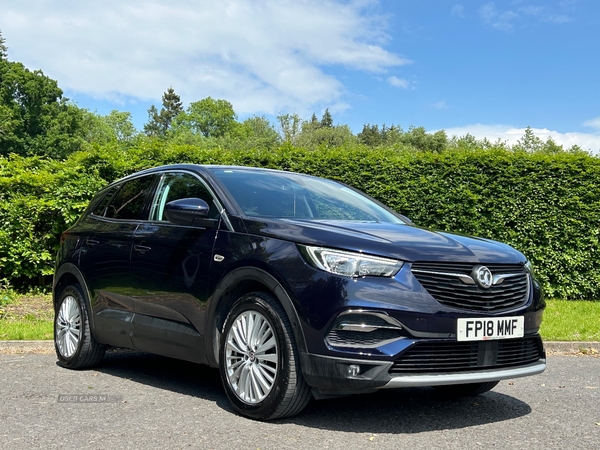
{"x": 75, "y": 346}
{"x": 465, "y": 390}
{"x": 259, "y": 360}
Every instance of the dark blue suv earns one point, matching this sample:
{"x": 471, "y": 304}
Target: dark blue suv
{"x": 294, "y": 286}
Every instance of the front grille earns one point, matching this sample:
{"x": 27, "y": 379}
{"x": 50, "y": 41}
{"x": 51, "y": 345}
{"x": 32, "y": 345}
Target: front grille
{"x": 451, "y": 291}
{"x": 436, "y": 357}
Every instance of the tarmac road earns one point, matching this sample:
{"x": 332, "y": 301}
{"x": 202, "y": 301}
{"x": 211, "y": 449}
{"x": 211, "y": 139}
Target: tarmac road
{"x": 145, "y": 401}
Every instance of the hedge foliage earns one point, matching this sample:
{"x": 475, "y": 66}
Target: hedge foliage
{"x": 545, "y": 205}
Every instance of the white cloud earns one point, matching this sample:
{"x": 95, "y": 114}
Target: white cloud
{"x": 398, "y": 82}
{"x": 532, "y": 10}
{"x": 263, "y": 56}
{"x": 593, "y": 123}
{"x": 441, "y": 105}
{"x": 510, "y": 135}
{"x": 500, "y": 20}
{"x": 458, "y": 10}
{"x": 506, "y": 20}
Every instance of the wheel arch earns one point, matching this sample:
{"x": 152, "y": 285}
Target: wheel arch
{"x": 66, "y": 275}
{"x": 235, "y": 284}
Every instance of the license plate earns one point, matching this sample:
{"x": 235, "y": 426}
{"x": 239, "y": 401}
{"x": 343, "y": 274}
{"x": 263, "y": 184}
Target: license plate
{"x": 484, "y": 329}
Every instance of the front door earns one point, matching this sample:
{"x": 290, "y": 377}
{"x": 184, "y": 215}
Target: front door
{"x": 170, "y": 266}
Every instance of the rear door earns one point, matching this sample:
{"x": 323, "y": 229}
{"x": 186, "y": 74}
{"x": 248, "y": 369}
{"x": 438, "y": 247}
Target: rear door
{"x": 105, "y": 257}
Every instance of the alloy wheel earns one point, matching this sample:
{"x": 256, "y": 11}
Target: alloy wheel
{"x": 251, "y": 357}
{"x": 68, "y": 327}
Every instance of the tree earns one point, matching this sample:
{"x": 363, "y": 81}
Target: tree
{"x": 260, "y": 132}
{"x": 3, "y": 48}
{"x": 370, "y": 135}
{"x": 289, "y": 127}
{"x": 419, "y": 139}
{"x": 529, "y": 142}
{"x": 207, "y": 117}
{"x": 121, "y": 125}
{"x": 314, "y": 121}
{"x": 551, "y": 147}
{"x": 327, "y": 120}
{"x": 159, "y": 122}
{"x": 35, "y": 119}
{"x": 335, "y": 136}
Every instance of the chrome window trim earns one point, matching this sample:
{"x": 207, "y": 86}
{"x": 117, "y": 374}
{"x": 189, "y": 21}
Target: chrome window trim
{"x": 216, "y": 200}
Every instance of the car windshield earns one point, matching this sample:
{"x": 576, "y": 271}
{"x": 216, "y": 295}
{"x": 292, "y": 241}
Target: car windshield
{"x": 281, "y": 195}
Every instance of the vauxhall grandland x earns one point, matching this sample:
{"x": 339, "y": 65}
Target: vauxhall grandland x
{"x": 295, "y": 287}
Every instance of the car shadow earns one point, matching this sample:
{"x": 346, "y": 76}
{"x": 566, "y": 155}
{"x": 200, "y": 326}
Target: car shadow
{"x": 400, "y": 411}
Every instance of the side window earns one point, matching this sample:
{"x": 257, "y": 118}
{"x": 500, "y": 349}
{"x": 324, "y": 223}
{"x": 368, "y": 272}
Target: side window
{"x": 100, "y": 208}
{"x": 175, "y": 186}
{"x": 129, "y": 201}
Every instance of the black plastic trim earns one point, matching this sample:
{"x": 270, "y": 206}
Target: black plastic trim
{"x": 228, "y": 283}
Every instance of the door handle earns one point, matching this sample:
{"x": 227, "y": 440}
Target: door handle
{"x": 141, "y": 248}
{"x": 90, "y": 242}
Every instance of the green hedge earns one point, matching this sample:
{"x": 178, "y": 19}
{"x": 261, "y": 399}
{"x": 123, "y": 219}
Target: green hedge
{"x": 547, "y": 206}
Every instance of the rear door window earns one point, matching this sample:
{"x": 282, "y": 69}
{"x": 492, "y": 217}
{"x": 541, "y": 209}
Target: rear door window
{"x": 130, "y": 201}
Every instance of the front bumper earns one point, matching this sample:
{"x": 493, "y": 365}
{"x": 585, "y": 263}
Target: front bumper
{"x": 478, "y": 376}
{"x": 334, "y": 376}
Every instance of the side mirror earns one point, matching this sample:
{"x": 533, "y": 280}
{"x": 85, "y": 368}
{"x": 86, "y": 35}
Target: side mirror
{"x": 403, "y": 217}
{"x": 184, "y": 211}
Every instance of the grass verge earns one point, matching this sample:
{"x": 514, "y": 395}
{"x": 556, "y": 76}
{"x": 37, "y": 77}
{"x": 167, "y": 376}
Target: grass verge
{"x": 26, "y": 317}
{"x": 26, "y": 330}
{"x": 568, "y": 320}
{"x": 29, "y": 317}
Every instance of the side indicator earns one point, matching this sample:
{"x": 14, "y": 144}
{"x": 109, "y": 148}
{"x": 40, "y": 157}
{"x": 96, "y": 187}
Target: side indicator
{"x": 218, "y": 258}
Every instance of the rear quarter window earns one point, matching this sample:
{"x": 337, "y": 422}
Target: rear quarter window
{"x": 100, "y": 204}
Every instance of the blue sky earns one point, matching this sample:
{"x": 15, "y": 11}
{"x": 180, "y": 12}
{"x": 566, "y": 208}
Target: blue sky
{"x": 480, "y": 67}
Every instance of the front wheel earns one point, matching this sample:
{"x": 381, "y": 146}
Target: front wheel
{"x": 75, "y": 345}
{"x": 465, "y": 390}
{"x": 259, "y": 360}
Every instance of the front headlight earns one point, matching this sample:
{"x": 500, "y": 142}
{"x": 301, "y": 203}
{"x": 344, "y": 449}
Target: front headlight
{"x": 352, "y": 264}
{"x": 529, "y": 267}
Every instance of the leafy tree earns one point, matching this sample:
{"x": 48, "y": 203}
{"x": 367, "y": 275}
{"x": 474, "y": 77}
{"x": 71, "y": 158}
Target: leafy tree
{"x": 419, "y": 139}
{"x": 207, "y": 117}
{"x": 577, "y": 150}
{"x": 551, "y": 147}
{"x": 159, "y": 122}
{"x": 328, "y": 137}
{"x": 392, "y": 135}
{"x": 529, "y": 142}
{"x": 34, "y": 117}
{"x": 260, "y": 131}
{"x": 121, "y": 125}
{"x": 370, "y": 135}
{"x": 115, "y": 127}
{"x": 289, "y": 127}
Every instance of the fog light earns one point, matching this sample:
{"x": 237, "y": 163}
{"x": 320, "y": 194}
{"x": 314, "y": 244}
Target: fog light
{"x": 353, "y": 370}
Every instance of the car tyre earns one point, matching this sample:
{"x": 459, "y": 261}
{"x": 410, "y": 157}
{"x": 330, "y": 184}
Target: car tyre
{"x": 76, "y": 347}
{"x": 465, "y": 390}
{"x": 259, "y": 362}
